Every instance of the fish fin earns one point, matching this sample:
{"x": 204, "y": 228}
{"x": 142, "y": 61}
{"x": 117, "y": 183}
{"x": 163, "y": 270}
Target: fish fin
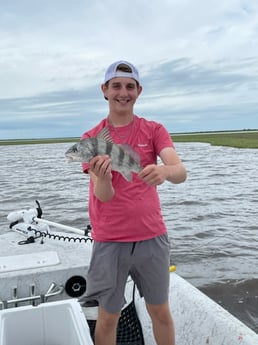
{"x": 105, "y": 135}
{"x": 127, "y": 175}
{"x": 127, "y": 148}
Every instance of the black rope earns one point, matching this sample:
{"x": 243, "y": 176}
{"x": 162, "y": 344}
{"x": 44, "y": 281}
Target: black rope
{"x": 64, "y": 238}
{"x": 30, "y": 239}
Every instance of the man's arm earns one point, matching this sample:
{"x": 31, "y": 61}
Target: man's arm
{"x": 100, "y": 173}
{"x": 171, "y": 170}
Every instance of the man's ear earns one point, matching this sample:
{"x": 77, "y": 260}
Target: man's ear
{"x": 139, "y": 90}
{"x": 104, "y": 88}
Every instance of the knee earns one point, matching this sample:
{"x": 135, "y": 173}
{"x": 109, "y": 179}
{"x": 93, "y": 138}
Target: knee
{"x": 163, "y": 317}
{"x": 107, "y": 324}
{"x": 160, "y": 314}
{"x": 107, "y": 321}
{"x": 106, "y": 329}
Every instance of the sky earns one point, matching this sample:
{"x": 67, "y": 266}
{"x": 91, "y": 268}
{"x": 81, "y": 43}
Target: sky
{"x": 197, "y": 59}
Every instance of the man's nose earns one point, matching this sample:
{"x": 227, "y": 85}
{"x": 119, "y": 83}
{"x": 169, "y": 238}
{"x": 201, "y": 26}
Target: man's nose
{"x": 123, "y": 90}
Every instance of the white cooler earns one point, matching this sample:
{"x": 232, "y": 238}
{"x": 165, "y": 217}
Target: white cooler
{"x": 51, "y": 323}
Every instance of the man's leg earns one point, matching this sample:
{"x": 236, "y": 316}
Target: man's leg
{"x": 162, "y": 322}
{"x": 106, "y": 327}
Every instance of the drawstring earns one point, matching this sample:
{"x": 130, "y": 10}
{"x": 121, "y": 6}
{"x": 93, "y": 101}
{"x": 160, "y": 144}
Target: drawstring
{"x": 133, "y": 248}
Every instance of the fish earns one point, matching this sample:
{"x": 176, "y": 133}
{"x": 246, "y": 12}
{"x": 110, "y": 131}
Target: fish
{"x": 123, "y": 158}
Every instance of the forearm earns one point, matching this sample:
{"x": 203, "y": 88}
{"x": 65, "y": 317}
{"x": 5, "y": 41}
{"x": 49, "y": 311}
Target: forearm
{"x": 175, "y": 173}
{"x": 103, "y": 189}
{"x": 101, "y": 175}
{"x": 174, "y": 169}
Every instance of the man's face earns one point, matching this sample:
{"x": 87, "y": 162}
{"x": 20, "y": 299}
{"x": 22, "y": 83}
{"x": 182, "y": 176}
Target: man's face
{"x": 121, "y": 93}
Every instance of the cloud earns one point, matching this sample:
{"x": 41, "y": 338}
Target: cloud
{"x": 197, "y": 59}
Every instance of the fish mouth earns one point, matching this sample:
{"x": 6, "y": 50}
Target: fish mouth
{"x": 69, "y": 158}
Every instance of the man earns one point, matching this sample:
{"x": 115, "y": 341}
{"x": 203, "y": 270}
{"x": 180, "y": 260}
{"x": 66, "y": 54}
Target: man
{"x": 130, "y": 237}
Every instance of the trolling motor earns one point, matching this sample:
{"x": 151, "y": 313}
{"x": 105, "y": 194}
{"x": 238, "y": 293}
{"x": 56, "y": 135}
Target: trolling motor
{"x": 22, "y": 221}
{"x": 24, "y": 215}
{"x": 29, "y": 224}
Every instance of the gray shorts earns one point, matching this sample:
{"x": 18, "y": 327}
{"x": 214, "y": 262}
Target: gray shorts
{"x": 112, "y": 262}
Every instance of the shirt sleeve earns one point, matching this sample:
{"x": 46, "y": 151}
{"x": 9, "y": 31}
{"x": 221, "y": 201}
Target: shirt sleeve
{"x": 162, "y": 139}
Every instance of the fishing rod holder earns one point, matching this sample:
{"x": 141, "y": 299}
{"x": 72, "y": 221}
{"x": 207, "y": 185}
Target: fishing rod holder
{"x": 53, "y": 290}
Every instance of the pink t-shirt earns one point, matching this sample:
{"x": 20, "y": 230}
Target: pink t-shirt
{"x": 134, "y": 213}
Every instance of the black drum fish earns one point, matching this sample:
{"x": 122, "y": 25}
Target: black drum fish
{"x": 123, "y": 158}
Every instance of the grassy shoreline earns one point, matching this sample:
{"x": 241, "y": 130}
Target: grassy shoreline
{"x": 239, "y": 139}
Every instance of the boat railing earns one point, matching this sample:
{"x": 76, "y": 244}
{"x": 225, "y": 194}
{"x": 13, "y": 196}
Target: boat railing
{"x": 53, "y": 290}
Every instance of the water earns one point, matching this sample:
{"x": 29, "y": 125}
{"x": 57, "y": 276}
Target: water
{"x": 212, "y": 218}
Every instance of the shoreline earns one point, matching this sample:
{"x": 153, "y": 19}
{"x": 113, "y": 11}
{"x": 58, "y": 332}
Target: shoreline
{"x": 237, "y": 139}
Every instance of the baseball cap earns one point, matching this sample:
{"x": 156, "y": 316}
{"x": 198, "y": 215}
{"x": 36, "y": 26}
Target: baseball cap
{"x": 127, "y": 70}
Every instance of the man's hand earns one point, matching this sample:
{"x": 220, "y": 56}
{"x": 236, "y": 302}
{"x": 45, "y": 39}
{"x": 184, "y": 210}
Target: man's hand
{"x": 100, "y": 166}
{"x": 154, "y": 174}
{"x": 171, "y": 170}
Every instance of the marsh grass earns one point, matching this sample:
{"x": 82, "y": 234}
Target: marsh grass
{"x": 243, "y": 139}
{"x": 240, "y": 139}
{"x": 38, "y": 141}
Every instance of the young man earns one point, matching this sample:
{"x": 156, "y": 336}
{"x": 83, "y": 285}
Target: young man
{"x": 130, "y": 237}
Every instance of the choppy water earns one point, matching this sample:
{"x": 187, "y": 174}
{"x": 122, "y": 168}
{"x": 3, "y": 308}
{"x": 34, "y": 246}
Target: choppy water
{"x": 212, "y": 218}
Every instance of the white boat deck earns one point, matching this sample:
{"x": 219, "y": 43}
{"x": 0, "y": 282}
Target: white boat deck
{"x": 198, "y": 319}
{"x": 63, "y": 260}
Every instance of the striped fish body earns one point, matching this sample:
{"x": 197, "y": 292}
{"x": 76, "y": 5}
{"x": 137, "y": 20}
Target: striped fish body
{"x": 123, "y": 158}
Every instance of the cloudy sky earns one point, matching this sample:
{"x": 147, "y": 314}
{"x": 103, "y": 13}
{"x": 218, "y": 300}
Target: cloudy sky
{"x": 198, "y": 62}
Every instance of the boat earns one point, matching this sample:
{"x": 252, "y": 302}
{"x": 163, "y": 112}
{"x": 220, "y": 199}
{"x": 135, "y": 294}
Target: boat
{"x": 43, "y": 267}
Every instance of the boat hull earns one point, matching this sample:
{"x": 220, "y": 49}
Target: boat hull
{"x": 198, "y": 320}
